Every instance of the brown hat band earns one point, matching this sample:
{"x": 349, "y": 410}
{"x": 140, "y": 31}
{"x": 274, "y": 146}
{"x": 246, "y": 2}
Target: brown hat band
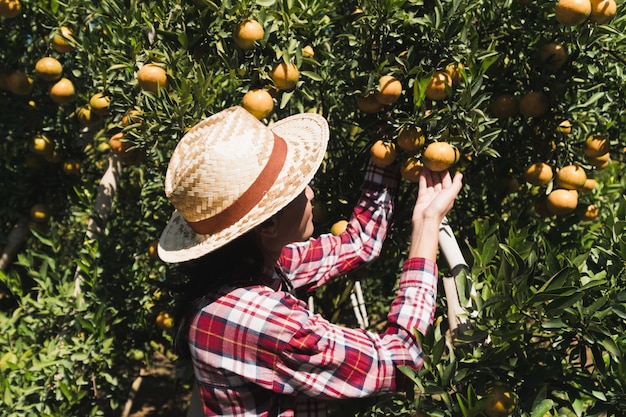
{"x": 249, "y": 198}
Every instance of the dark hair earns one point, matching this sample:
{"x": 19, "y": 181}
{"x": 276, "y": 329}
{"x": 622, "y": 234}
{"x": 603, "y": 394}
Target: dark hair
{"x": 238, "y": 261}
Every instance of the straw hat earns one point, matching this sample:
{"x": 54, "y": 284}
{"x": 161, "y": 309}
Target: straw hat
{"x": 231, "y": 172}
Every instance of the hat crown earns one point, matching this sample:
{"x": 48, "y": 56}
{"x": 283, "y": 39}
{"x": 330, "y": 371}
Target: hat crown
{"x": 216, "y": 162}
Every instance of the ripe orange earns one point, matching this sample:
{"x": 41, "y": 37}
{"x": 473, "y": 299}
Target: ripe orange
{"x": 590, "y": 185}
{"x": 504, "y": 106}
{"x": 571, "y": 177}
{"x": 10, "y": 8}
{"x": 71, "y": 167}
{"x": 596, "y": 145}
{"x": 565, "y": 127}
{"x": 131, "y": 117}
{"x": 562, "y": 202}
{"x": 411, "y": 168}
{"x": 164, "y": 321}
{"x": 553, "y": 56}
{"x": 62, "y": 91}
{"x": 538, "y": 173}
{"x": 437, "y": 88}
{"x": 454, "y": 71}
{"x": 389, "y": 89}
{"x": 308, "y": 51}
{"x": 39, "y": 213}
{"x": 368, "y": 104}
{"x": 152, "y": 77}
{"x": 48, "y": 69}
{"x": 258, "y": 102}
{"x": 63, "y": 41}
{"x": 572, "y": 12}
{"x": 439, "y": 156}
{"x": 153, "y": 251}
{"x": 411, "y": 138}
{"x": 86, "y": 117}
{"x": 247, "y": 32}
{"x": 383, "y": 153}
{"x": 602, "y": 11}
{"x": 502, "y": 403}
{"x": 118, "y": 144}
{"x": 20, "y": 83}
{"x": 534, "y": 104}
{"x": 285, "y": 76}
{"x": 42, "y": 145}
{"x": 588, "y": 212}
{"x": 600, "y": 161}
{"x": 99, "y": 104}
{"x": 339, "y": 227}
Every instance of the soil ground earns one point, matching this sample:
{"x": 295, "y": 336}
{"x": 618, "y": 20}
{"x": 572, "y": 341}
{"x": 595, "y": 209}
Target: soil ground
{"x": 161, "y": 393}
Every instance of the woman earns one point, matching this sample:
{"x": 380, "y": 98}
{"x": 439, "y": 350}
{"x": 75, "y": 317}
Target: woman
{"x": 242, "y": 228}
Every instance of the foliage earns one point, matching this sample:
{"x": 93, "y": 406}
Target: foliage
{"x": 548, "y": 305}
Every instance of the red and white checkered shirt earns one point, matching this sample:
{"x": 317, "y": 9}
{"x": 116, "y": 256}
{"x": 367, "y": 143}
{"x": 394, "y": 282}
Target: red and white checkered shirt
{"x": 258, "y": 351}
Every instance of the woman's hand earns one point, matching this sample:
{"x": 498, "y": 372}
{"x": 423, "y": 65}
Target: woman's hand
{"x": 436, "y": 194}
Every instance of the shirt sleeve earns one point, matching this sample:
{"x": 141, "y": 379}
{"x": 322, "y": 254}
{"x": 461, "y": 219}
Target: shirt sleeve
{"x": 312, "y": 263}
{"x": 271, "y": 340}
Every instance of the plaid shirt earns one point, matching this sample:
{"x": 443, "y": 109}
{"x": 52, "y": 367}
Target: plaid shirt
{"x": 258, "y": 351}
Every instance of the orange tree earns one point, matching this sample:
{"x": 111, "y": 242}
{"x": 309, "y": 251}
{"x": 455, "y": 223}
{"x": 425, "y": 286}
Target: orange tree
{"x": 507, "y": 83}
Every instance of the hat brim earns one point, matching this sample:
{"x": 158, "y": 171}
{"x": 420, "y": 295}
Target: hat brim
{"x": 306, "y": 136}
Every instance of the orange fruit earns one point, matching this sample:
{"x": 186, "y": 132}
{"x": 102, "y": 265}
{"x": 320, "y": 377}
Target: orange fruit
{"x": 502, "y": 402}
{"x": 368, "y": 104}
{"x": 285, "y": 76}
{"x": 596, "y": 145}
{"x": 383, "y": 153}
{"x": 247, "y": 32}
{"x": 71, "y": 167}
{"x": 131, "y": 117}
{"x": 588, "y": 212}
{"x": 48, "y": 69}
{"x": 389, "y": 89}
{"x": 562, "y": 202}
{"x": 565, "y": 127}
{"x": 339, "y": 227}
{"x": 42, "y": 145}
{"x": 63, "y": 40}
{"x": 258, "y": 102}
{"x": 571, "y": 177}
{"x": 590, "y": 185}
{"x": 454, "y": 71}
{"x": 164, "y": 321}
{"x": 118, "y": 144}
{"x": 153, "y": 250}
{"x": 534, "y": 104}
{"x": 86, "y": 117}
{"x": 10, "y": 8}
{"x": 308, "y": 51}
{"x": 572, "y": 12}
{"x": 439, "y": 156}
{"x": 553, "y": 56}
{"x": 20, "y": 83}
{"x": 602, "y": 11}
{"x": 152, "y": 77}
{"x": 62, "y": 91}
{"x": 99, "y": 104}
{"x": 437, "y": 88}
{"x": 39, "y": 213}
{"x": 411, "y": 168}
{"x": 504, "y": 106}
{"x": 411, "y": 138}
{"x": 600, "y": 161}
{"x": 538, "y": 173}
